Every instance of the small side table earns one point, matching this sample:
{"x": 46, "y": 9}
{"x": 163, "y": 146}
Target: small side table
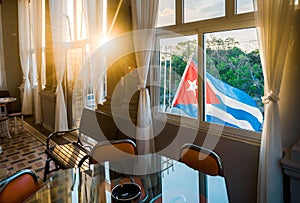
{"x": 291, "y": 165}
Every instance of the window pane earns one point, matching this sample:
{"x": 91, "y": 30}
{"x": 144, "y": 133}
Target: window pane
{"x": 178, "y": 90}
{"x": 80, "y": 20}
{"x": 244, "y": 6}
{"x": 43, "y": 24}
{"x": 69, "y": 21}
{"x": 166, "y": 13}
{"x": 195, "y": 10}
{"x": 234, "y": 79}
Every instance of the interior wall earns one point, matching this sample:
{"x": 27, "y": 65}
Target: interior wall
{"x": 289, "y": 94}
{"x": 14, "y": 74}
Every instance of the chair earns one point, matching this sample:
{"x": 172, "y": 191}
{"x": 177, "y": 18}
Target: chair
{"x": 67, "y": 155}
{"x": 110, "y": 150}
{"x": 15, "y": 122}
{"x": 4, "y": 125}
{"x": 115, "y": 150}
{"x": 201, "y": 159}
{"x": 204, "y": 160}
{"x": 18, "y": 187}
{"x": 11, "y": 114}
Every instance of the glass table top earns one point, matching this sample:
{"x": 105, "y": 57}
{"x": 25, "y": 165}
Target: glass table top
{"x": 162, "y": 180}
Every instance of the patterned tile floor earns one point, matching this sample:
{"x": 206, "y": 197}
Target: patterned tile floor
{"x": 26, "y": 149}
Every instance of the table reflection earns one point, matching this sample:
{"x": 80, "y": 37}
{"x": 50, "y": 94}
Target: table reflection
{"x": 161, "y": 177}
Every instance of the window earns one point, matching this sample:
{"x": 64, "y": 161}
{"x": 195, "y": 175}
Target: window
{"x": 166, "y": 13}
{"x": 244, "y": 6}
{"x": 75, "y": 21}
{"x": 297, "y": 5}
{"x": 234, "y": 79}
{"x": 195, "y": 10}
{"x": 33, "y": 70}
{"x": 174, "y": 55}
{"x": 77, "y": 38}
{"x": 218, "y": 66}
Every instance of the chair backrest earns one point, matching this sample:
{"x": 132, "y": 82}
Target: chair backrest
{"x": 18, "y": 187}
{"x": 113, "y": 150}
{"x": 102, "y": 126}
{"x": 201, "y": 159}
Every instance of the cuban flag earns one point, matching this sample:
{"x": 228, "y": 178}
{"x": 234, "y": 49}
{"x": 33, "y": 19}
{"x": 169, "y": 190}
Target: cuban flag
{"x": 185, "y": 101}
{"x": 224, "y": 104}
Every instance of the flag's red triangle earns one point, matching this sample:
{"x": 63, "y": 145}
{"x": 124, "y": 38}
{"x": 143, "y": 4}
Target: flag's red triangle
{"x": 211, "y": 97}
{"x": 188, "y": 87}
{"x": 186, "y": 95}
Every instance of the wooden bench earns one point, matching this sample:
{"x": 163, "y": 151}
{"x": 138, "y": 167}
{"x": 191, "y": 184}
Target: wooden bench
{"x": 69, "y": 155}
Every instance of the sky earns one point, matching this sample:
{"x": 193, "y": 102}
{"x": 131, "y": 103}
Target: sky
{"x": 247, "y": 38}
{"x": 198, "y": 10}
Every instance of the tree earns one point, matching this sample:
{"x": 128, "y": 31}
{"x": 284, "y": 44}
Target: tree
{"x": 233, "y": 66}
{"x": 224, "y": 60}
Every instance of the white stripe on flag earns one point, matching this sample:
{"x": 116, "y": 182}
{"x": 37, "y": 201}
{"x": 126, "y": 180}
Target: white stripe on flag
{"x": 226, "y": 117}
{"x": 237, "y": 104}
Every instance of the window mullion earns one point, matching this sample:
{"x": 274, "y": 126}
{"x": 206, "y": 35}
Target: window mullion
{"x": 230, "y": 8}
{"x": 201, "y": 71}
{"x": 179, "y": 12}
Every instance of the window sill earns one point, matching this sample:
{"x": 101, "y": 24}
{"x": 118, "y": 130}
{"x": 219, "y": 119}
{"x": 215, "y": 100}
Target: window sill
{"x": 240, "y": 135}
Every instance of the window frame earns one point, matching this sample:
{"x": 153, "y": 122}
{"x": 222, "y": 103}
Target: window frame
{"x": 231, "y": 21}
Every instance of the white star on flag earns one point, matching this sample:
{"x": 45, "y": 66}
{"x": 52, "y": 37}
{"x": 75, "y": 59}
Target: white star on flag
{"x": 193, "y": 86}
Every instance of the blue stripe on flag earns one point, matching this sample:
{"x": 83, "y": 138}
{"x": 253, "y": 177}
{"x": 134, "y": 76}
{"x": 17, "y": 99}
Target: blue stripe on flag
{"x": 189, "y": 109}
{"x": 231, "y": 91}
{"x": 216, "y": 120}
{"x": 244, "y": 114}
{"x": 239, "y": 114}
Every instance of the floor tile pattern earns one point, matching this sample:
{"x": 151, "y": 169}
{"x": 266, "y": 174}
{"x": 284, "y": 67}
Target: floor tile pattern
{"x": 24, "y": 150}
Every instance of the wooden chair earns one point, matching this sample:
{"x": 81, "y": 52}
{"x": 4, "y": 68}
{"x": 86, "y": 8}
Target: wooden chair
{"x": 201, "y": 159}
{"x": 18, "y": 187}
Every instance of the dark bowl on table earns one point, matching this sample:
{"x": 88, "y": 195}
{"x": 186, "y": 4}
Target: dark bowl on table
{"x": 126, "y": 192}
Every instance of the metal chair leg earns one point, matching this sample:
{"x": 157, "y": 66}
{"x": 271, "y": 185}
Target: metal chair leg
{"x": 46, "y": 171}
{"x": 7, "y": 129}
{"x": 15, "y": 118}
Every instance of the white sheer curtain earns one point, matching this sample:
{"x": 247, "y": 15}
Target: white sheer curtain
{"x": 59, "y": 28}
{"x": 93, "y": 10}
{"x": 274, "y": 28}
{"x": 36, "y": 27}
{"x": 25, "y": 53}
{"x": 3, "y": 85}
{"x": 144, "y": 15}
